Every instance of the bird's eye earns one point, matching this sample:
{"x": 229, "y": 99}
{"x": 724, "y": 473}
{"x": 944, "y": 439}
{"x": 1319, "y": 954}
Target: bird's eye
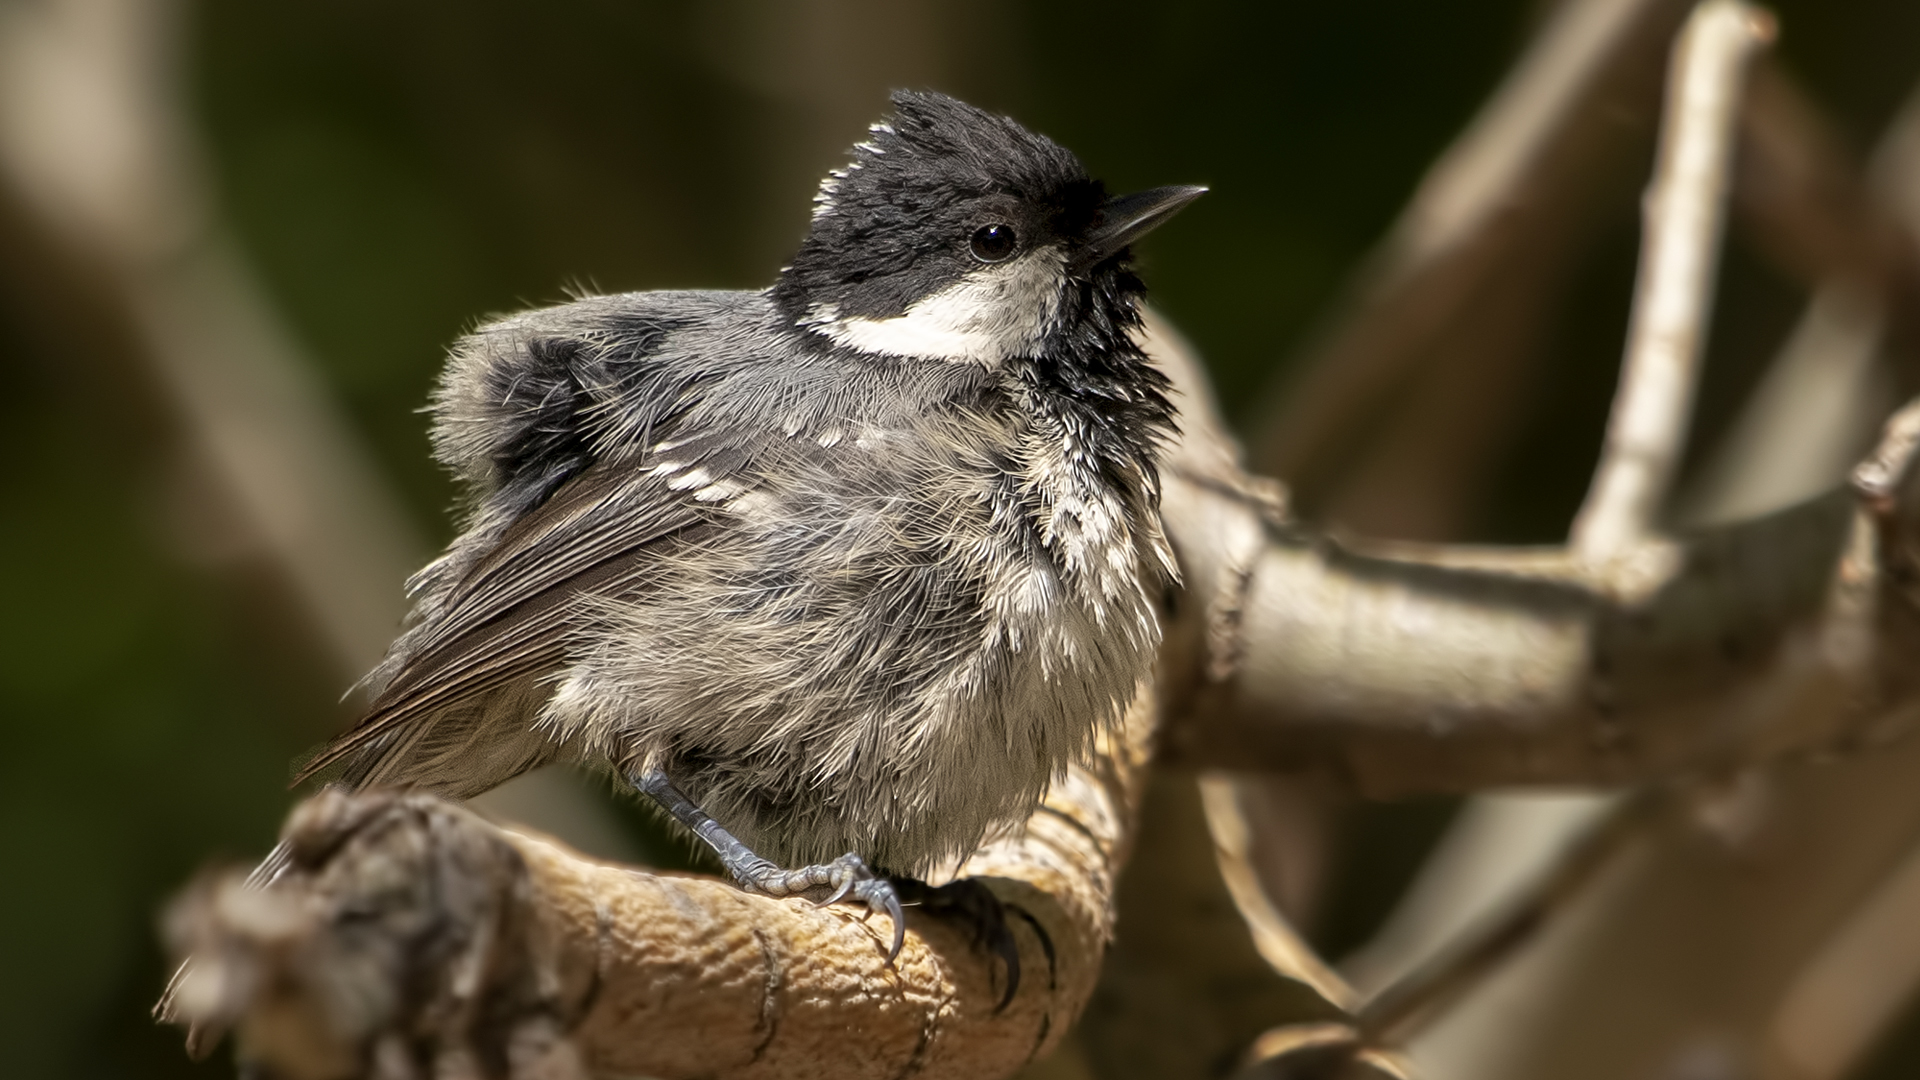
{"x": 993, "y": 243}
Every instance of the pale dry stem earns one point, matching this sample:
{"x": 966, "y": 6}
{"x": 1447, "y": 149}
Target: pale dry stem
{"x": 1685, "y": 210}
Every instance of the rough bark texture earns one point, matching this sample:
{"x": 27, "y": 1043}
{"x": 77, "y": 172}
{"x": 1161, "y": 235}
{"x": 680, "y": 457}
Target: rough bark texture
{"x": 1408, "y": 671}
{"x": 413, "y": 938}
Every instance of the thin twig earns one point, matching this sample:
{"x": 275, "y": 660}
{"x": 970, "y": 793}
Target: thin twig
{"x": 1810, "y": 207}
{"x": 1524, "y": 157}
{"x": 1278, "y": 943}
{"x": 1404, "y": 1006}
{"x": 117, "y": 225}
{"x": 97, "y": 151}
{"x": 1685, "y": 210}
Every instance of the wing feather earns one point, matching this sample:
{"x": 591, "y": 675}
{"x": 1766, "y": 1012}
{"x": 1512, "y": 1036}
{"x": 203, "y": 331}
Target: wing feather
{"x": 541, "y": 420}
{"x": 506, "y": 619}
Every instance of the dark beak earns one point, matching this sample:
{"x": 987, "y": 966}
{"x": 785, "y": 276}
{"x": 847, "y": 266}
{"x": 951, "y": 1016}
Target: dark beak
{"x": 1126, "y": 218}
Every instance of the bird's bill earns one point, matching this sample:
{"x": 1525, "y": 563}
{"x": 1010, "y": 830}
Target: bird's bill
{"x": 1126, "y": 218}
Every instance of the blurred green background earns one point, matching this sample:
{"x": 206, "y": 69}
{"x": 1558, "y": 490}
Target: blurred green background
{"x": 395, "y": 170}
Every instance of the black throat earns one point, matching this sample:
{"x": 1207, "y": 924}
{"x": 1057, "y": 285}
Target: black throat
{"x": 1095, "y": 381}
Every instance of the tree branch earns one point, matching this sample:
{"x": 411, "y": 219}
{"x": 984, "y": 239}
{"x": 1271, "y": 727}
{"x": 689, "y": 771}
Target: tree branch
{"x": 1445, "y": 670}
{"x": 413, "y": 938}
{"x": 1486, "y": 218}
{"x": 1801, "y": 431}
{"x": 1400, "y": 669}
{"x": 416, "y": 939}
{"x": 1406, "y": 669}
{"x": 1685, "y": 208}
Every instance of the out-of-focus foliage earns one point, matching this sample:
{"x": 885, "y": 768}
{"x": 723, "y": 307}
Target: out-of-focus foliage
{"x": 395, "y": 170}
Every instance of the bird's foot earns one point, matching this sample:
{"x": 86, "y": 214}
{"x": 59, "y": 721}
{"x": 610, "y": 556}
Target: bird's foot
{"x": 970, "y": 901}
{"x": 846, "y": 878}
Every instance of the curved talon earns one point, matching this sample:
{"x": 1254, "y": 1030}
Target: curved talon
{"x": 848, "y": 874}
{"x": 850, "y": 877}
{"x": 840, "y": 893}
{"x": 853, "y": 877}
{"x": 970, "y": 902}
{"x": 883, "y": 899}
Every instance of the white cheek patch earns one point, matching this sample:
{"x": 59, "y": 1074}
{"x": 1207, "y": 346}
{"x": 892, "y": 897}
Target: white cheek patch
{"x": 992, "y": 313}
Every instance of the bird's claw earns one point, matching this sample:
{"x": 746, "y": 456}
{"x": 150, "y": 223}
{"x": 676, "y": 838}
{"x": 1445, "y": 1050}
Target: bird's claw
{"x": 844, "y": 873}
{"x": 849, "y": 877}
{"x": 845, "y": 876}
{"x": 969, "y": 901}
{"x": 882, "y": 898}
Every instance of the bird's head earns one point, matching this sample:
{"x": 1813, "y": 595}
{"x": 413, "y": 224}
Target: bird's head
{"x": 958, "y": 235}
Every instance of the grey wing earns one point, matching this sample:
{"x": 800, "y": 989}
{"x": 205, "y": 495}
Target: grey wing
{"x": 547, "y": 417}
{"x": 457, "y": 715}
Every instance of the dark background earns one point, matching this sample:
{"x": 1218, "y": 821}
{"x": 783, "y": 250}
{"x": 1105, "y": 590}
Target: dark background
{"x": 396, "y": 170}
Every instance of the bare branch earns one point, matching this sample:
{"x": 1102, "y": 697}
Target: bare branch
{"x": 1396, "y": 668}
{"x": 1401, "y": 668}
{"x": 1410, "y": 1002}
{"x": 1806, "y": 424}
{"x": 1504, "y": 187}
{"x": 408, "y": 923}
{"x": 1367, "y": 644}
{"x": 1685, "y": 209}
{"x": 1276, "y": 940}
{"x": 1805, "y": 204}
{"x": 97, "y": 157}
{"x": 1406, "y": 671}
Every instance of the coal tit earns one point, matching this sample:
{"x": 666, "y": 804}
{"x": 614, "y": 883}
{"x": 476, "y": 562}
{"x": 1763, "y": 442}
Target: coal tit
{"x": 842, "y": 572}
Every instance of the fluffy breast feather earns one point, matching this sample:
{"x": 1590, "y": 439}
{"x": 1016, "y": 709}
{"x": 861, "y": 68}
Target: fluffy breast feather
{"x": 914, "y": 595}
{"x": 904, "y": 635}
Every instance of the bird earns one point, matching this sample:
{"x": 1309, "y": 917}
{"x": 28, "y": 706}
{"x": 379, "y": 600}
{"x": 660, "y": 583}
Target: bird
{"x": 840, "y": 573}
